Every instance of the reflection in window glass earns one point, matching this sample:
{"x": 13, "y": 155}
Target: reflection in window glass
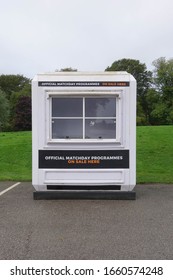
{"x": 105, "y": 129}
{"x": 100, "y": 107}
{"x": 67, "y": 107}
{"x": 67, "y": 129}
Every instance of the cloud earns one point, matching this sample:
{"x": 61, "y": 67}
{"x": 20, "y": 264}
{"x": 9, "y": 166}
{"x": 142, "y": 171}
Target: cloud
{"x": 43, "y": 35}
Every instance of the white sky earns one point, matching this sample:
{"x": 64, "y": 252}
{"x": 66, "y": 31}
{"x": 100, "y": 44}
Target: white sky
{"x": 44, "y": 35}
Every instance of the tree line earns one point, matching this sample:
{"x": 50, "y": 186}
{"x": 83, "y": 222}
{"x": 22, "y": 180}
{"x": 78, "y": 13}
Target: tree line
{"x": 15, "y": 103}
{"x": 154, "y": 94}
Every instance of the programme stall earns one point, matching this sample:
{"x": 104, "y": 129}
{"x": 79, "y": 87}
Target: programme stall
{"x": 84, "y": 135}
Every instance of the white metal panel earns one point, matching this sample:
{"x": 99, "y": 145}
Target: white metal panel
{"x": 84, "y": 177}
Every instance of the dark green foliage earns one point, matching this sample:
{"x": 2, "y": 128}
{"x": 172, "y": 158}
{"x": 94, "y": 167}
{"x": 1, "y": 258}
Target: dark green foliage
{"x": 137, "y": 69}
{"x": 4, "y": 111}
{"x": 22, "y": 116}
{"x": 14, "y": 87}
{"x": 163, "y": 81}
{"x": 12, "y": 83}
{"x": 154, "y": 94}
{"x": 14, "y": 99}
{"x": 68, "y": 69}
{"x": 143, "y": 78}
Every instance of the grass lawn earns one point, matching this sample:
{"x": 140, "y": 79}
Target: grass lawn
{"x": 154, "y": 155}
{"x": 15, "y": 156}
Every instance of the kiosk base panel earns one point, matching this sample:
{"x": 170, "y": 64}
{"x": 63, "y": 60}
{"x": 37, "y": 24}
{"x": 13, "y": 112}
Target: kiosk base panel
{"x": 107, "y": 195}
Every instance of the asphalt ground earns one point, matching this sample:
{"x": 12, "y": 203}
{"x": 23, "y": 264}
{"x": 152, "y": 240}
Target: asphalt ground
{"x": 86, "y": 229}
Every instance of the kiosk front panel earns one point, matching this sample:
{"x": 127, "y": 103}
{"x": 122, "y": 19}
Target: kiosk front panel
{"x": 84, "y": 131}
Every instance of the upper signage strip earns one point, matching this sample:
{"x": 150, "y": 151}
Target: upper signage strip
{"x": 83, "y": 84}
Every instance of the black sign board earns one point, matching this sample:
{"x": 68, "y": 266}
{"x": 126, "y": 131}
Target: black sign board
{"x": 83, "y": 84}
{"x": 56, "y": 159}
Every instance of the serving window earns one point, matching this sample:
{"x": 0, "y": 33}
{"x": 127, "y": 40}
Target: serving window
{"x": 83, "y": 117}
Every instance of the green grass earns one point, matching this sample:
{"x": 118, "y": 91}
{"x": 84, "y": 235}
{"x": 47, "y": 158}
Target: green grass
{"x": 15, "y": 156}
{"x": 154, "y": 155}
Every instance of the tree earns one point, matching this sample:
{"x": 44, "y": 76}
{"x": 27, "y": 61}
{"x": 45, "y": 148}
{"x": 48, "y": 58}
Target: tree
{"x": 163, "y": 80}
{"x": 22, "y": 117}
{"x": 26, "y": 91}
{"x": 4, "y": 111}
{"x": 137, "y": 69}
{"x": 14, "y": 87}
{"x": 66, "y": 69}
{"x": 153, "y": 100}
{"x": 163, "y": 72}
{"x": 140, "y": 120}
{"x": 13, "y": 83}
{"x": 160, "y": 115}
{"x": 142, "y": 76}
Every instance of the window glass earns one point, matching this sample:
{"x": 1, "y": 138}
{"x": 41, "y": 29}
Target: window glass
{"x": 100, "y": 107}
{"x": 65, "y": 128}
{"x": 97, "y": 120}
{"x": 95, "y": 129}
{"x": 67, "y": 107}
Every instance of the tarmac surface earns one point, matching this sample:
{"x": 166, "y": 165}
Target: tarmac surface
{"x": 86, "y": 229}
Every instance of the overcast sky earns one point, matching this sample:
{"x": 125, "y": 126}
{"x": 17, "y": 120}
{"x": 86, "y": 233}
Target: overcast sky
{"x": 44, "y": 35}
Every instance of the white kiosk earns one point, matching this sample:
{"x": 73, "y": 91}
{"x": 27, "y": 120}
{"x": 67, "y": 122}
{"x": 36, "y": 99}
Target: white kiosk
{"x": 84, "y": 135}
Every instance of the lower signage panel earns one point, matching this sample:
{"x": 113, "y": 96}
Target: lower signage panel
{"x": 57, "y": 159}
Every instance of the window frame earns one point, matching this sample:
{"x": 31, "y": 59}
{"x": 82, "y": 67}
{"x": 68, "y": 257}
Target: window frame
{"x": 83, "y": 95}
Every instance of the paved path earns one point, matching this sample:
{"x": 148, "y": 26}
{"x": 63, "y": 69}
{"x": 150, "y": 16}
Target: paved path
{"x": 86, "y": 229}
